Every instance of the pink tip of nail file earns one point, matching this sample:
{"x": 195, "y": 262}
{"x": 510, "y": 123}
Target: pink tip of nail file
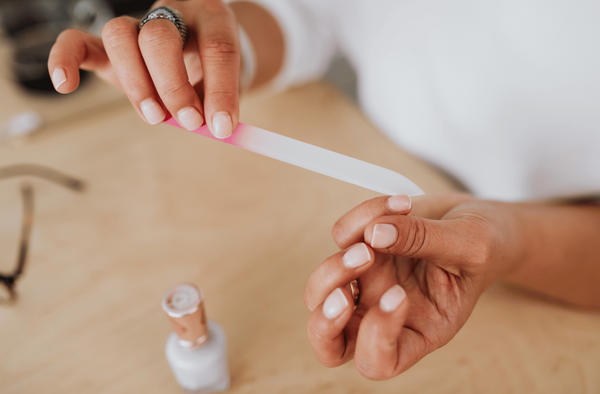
{"x": 316, "y": 159}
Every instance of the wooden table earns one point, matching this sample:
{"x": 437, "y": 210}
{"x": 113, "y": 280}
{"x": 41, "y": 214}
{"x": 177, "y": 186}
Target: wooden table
{"x": 165, "y": 206}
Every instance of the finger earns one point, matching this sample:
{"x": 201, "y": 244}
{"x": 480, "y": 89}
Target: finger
{"x": 191, "y": 58}
{"x": 120, "y": 37}
{"x": 437, "y": 206}
{"x": 383, "y": 346}
{"x": 326, "y": 326}
{"x": 220, "y": 57}
{"x": 162, "y": 49}
{"x": 73, "y": 50}
{"x": 337, "y": 271}
{"x": 349, "y": 229}
{"x": 452, "y": 244}
{"x": 380, "y": 276}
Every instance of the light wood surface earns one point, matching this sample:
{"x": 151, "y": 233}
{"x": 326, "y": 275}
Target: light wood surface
{"x": 165, "y": 206}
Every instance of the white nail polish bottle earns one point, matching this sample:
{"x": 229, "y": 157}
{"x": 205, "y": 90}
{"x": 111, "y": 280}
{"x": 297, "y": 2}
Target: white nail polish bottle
{"x": 196, "y": 351}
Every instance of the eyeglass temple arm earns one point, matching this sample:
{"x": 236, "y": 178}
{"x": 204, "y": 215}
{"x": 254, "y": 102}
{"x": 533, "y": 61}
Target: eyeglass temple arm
{"x": 42, "y": 172}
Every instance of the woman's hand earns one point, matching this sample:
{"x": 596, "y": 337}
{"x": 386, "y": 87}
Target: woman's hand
{"x": 154, "y": 70}
{"x": 420, "y": 276}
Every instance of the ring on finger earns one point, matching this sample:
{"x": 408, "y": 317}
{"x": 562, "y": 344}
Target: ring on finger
{"x": 355, "y": 291}
{"x": 169, "y": 14}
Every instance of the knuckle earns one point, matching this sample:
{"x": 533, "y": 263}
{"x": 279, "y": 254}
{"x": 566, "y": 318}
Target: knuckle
{"x": 371, "y": 372}
{"x": 173, "y": 90}
{"x": 326, "y": 358}
{"x": 159, "y": 35}
{"x": 414, "y": 238}
{"x": 339, "y": 232}
{"x": 330, "y": 363}
{"x": 316, "y": 337}
{"x": 459, "y": 196}
{"x": 225, "y": 94}
{"x": 218, "y": 46}
{"x": 307, "y": 299}
{"x": 69, "y": 34}
{"x": 329, "y": 277}
{"x": 116, "y": 27}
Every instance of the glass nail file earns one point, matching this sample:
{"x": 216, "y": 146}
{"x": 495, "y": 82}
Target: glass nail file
{"x": 315, "y": 159}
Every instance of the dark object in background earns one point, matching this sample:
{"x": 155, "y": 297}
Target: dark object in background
{"x": 130, "y": 7}
{"x": 9, "y": 280}
{"x": 31, "y": 26}
{"x": 30, "y": 68}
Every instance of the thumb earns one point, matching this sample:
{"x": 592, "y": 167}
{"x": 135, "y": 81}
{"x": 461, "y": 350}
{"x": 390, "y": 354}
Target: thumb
{"x": 450, "y": 244}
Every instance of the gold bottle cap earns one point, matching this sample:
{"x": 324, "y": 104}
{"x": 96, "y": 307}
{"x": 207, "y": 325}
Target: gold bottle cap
{"x": 184, "y": 303}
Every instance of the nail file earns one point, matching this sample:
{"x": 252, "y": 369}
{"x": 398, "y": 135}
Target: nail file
{"x": 316, "y": 159}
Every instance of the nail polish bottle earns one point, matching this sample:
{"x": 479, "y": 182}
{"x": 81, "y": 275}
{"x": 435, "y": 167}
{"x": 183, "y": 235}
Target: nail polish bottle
{"x": 197, "y": 349}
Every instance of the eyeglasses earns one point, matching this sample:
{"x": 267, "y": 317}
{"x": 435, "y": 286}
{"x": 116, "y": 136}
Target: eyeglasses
{"x": 27, "y": 194}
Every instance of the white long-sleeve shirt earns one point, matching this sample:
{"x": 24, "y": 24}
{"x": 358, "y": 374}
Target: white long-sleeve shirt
{"x": 502, "y": 94}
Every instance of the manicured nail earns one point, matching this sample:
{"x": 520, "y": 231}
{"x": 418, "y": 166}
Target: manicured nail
{"x": 334, "y": 304}
{"x": 399, "y": 203}
{"x": 190, "y": 118}
{"x": 152, "y": 111}
{"x": 392, "y": 298}
{"x": 222, "y": 125}
{"x": 384, "y": 235}
{"x": 356, "y": 256}
{"x": 58, "y": 77}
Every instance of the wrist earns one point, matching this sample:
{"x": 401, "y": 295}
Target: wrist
{"x": 519, "y": 236}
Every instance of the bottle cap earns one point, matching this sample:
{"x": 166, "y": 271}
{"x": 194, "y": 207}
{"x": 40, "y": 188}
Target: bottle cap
{"x": 184, "y": 303}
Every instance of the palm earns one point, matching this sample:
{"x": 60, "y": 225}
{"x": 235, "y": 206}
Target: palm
{"x": 440, "y": 301}
{"x": 439, "y": 305}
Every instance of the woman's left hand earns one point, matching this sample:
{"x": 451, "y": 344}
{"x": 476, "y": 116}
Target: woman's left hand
{"x": 420, "y": 276}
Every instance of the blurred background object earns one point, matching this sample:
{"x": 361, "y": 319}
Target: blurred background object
{"x": 31, "y": 27}
{"x": 20, "y": 125}
{"x": 342, "y": 75}
{"x": 9, "y": 280}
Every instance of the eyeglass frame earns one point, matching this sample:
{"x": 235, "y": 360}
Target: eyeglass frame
{"x": 27, "y": 193}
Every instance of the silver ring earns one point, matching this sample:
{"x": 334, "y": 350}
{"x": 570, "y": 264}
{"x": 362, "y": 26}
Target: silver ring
{"x": 170, "y": 14}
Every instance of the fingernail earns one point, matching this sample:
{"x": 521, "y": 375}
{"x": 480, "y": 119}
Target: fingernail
{"x": 334, "y": 304}
{"x": 58, "y": 77}
{"x": 190, "y": 118}
{"x": 356, "y": 256}
{"x": 384, "y": 235}
{"x": 399, "y": 203}
{"x": 152, "y": 111}
{"x": 222, "y": 125}
{"x": 392, "y": 298}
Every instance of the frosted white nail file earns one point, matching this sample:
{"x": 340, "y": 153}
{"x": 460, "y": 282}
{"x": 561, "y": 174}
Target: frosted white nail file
{"x": 316, "y": 159}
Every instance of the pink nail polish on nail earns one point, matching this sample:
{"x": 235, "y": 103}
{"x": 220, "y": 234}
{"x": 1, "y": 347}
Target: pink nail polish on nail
{"x": 58, "y": 77}
{"x": 356, "y": 256}
{"x": 399, "y": 203}
{"x": 384, "y": 235}
{"x": 190, "y": 118}
{"x": 222, "y": 125}
{"x": 334, "y": 304}
{"x": 152, "y": 111}
{"x": 392, "y": 298}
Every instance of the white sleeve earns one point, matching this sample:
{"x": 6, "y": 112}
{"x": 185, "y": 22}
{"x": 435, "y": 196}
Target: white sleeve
{"x": 309, "y": 39}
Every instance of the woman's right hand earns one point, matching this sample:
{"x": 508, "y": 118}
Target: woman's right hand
{"x": 196, "y": 84}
